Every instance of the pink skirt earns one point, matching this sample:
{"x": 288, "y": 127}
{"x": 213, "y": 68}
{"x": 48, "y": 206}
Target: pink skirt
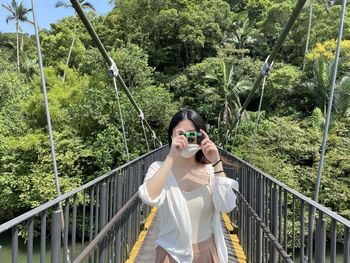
{"x": 203, "y": 252}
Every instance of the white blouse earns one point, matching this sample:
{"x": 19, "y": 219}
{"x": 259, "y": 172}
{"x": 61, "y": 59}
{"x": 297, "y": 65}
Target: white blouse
{"x": 175, "y": 235}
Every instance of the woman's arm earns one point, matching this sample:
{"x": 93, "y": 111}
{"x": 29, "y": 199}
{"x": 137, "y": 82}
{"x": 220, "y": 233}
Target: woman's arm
{"x": 156, "y": 183}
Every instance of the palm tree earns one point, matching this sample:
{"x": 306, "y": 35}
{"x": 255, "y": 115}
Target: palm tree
{"x": 84, "y": 5}
{"x": 229, "y": 92}
{"x": 342, "y": 97}
{"x": 241, "y": 36}
{"x": 18, "y": 14}
{"x": 29, "y": 66}
{"x": 321, "y": 84}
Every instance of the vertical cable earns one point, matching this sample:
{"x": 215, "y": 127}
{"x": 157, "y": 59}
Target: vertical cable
{"x": 121, "y": 118}
{"x": 42, "y": 76}
{"x": 257, "y": 120}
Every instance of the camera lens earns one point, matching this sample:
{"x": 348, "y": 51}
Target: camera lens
{"x": 190, "y": 139}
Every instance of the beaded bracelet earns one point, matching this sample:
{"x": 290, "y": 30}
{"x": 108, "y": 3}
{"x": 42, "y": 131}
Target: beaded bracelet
{"x": 216, "y": 163}
{"x": 221, "y": 171}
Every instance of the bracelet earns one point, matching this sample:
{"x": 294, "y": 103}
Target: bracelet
{"x": 216, "y": 163}
{"x": 221, "y": 171}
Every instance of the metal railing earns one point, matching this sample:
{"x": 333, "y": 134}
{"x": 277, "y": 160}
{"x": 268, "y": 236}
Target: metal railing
{"x": 103, "y": 219}
{"x": 273, "y": 220}
{"x": 108, "y": 201}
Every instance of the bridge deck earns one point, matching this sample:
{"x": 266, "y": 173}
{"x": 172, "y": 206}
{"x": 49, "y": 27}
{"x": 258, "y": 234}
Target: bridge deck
{"x": 144, "y": 249}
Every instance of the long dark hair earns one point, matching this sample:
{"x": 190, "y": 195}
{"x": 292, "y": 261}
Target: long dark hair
{"x": 198, "y": 122}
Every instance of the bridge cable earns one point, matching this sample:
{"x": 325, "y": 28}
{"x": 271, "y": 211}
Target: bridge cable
{"x": 114, "y": 72}
{"x": 295, "y": 13}
{"x": 307, "y": 36}
{"x": 118, "y": 79}
{"x": 47, "y": 112}
{"x": 142, "y": 117}
{"x": 326, "y": 128}
{"x": 265, "y": 70}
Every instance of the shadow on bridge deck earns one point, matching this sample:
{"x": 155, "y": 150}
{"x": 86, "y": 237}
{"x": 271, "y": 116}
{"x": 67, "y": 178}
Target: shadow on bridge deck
{"x": 145, "y": 247}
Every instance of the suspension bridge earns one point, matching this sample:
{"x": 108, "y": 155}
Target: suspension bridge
{"x": 105, "y": 220}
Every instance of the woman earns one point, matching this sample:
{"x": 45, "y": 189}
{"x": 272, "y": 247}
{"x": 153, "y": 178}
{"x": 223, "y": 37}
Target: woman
{"x": 190, "y": 189}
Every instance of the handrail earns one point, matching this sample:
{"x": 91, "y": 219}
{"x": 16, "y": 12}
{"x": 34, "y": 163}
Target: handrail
{"x": 7, "y": 225}
{"x": 267, "y": 231}
{"x": 97, "y": 240}
{"x": 320, "y": 207}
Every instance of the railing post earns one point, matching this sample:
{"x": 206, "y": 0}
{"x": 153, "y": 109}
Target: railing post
{"x": 259, "y": 212}
{"x": 346, "y": 244}
{"x": 302, "y": 230}
{"x": 43, "y": 237}
{"x": 14, "y": 244}
{"x": 333, "y": 241}
{"x": 320, "y": 244}
{"x": 248, "y": 218}
{"x": 103, "y": 221}
{"x": 74, "y": 226}
{"x": 30, "y": 240}
{"x": 56, "y": 236}
{"x": 310, "y": 233}
{"x": 274, "y": 222}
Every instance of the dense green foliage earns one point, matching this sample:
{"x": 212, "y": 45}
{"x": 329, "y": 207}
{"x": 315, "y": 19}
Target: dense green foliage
{"x": 172, "y": 54}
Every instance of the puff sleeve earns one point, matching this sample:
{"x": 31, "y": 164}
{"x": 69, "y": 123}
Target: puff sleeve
{"x": 224, "y": 198}
{"x": 143, "y": 193}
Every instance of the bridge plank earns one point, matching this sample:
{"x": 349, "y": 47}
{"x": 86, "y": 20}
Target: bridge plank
{"x": 147, "y": 252}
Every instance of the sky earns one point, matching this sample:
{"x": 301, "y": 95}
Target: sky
{"x": 46, "y": 13}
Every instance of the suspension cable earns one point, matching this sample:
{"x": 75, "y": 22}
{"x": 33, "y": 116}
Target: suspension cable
{"x": 142, "y": 117}
{"x": 119, "y": 80}
{"x": 265, "y": 70}
{"x": 296, "y": 11}
{"x": 307, "y": 36}
{"x": 326, "y": 128}
{"x": 114, "y": 72}
{"x": 48, "y": 119}
{"x": 47, "y": 111}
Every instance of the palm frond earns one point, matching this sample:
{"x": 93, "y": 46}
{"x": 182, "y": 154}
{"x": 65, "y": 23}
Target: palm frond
{"x": 8, "y": 8}
{"x": 62, "y": 4}
{"x": 317, "y": 118}
{"x": 10, "y": 18}
{"x": 88, "y": 5}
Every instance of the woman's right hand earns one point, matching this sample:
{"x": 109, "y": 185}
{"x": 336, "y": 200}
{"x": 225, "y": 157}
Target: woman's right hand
{"x": 178, "y": 143}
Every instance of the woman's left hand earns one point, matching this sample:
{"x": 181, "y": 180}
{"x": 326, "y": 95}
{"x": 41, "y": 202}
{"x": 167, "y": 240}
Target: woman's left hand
{"x": 209, "y": 149}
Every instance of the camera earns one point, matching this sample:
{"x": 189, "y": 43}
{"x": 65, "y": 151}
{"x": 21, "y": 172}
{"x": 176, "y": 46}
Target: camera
{"x": 193, "y": 137}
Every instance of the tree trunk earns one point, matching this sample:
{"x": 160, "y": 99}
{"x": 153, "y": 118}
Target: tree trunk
{"x": 225, "y": 113}
{"x": 21, "y": 46}
{"x": 70, "y": 51}
{"x": 17, "y": 44}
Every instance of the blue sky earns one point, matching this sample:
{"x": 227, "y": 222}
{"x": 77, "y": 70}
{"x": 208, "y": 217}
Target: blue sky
{"x": 46, "y": 13}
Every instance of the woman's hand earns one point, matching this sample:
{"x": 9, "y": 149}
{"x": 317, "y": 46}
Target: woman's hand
{"x": 178, "y": 143}
{"x": 209, "y": 149}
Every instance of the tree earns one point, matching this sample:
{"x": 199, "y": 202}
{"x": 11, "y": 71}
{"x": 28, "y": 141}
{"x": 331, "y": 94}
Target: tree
{"x": 240, "y": 35}
{"x": 18, "y": 13}
{"x": 321, "y": 84}
{"x": 229, "y": 94}
{"x": 84, "y": 5}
